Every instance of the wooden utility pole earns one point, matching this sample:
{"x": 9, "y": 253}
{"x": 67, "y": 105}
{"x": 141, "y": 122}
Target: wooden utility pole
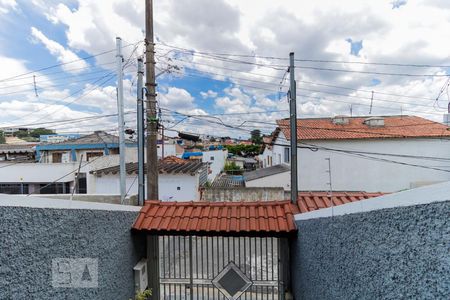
{"x": 152, "y": 121}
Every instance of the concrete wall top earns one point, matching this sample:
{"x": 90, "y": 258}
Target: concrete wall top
{"x": 37, "y": 202}
{"x": 423, "y": 195}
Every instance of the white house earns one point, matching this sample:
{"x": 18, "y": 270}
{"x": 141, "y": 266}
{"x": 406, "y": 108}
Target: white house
{"x": 275, "y": 176}
{"x": 386, "y": 154}
{"x": 216, "y": 160}
{"x": 179, "y": 180}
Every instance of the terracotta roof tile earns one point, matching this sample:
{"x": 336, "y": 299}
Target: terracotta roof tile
{"x": 236, "y": 218}
{"x": 394, "y": 127}
{"x": 309, "y": 201}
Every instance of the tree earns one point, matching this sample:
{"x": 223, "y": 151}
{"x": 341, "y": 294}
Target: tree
{"x": 232, "y": 168}
{"x": 36, "y": 133}
{"x": 244, "y": 150}
{"x": 2, "y": 137}
{"x": 256, "y": 137}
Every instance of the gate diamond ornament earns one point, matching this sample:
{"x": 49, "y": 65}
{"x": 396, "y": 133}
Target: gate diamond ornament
{"x": 232, "y": 282}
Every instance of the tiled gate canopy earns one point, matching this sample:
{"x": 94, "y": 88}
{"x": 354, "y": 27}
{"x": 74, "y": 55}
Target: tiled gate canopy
{"x": 271, "y": 218}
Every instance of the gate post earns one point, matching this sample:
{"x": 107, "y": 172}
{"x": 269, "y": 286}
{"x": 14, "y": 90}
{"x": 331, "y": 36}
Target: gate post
{"x": 153, "y": 264}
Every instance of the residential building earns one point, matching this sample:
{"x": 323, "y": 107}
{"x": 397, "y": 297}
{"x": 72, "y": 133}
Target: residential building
{"x": 179, "y": 179}
{"x": 17, "y": 152}
{"x": 245, "y": 163}
{"x": 58, "y": 138}
{"x": 89, "y": 146}
{"x": 216, "y": 160}
{"x": 275, "y": 176}
{"x": 387, "y": 153}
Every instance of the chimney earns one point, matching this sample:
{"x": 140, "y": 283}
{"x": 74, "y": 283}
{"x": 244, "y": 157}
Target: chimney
{"x": 374, "y": 122}
{"x": 340, "y": 120}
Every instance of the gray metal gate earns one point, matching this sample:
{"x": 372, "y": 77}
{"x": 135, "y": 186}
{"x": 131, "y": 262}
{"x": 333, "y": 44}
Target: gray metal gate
{"x": 196, "y": 267}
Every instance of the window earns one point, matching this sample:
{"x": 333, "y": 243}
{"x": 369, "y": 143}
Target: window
{"x": 91, "y": 155}
{"x": 55, "y": 188}
{"x": 14, "y": 188}
{"x": 211, "y": 158}
{"x": 178, "y": 188}
{"x": 287, "y": 156}
{"x": 56, "y": 157}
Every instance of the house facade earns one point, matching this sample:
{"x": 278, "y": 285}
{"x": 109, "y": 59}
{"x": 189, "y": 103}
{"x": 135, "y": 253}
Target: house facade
{"x": 179, "y": 180}
{"x": 386, "y": 154}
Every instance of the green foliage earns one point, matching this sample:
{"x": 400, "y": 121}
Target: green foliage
{"x": 21, "y": 134}
{"x": 145, "y": 295}
{"x": 40, "y": 131}
{"x": 2, "y": 137}
{"x": 256, "y": 137}
{"x": 232, "y": 168}
{"x": 244, "y": 150}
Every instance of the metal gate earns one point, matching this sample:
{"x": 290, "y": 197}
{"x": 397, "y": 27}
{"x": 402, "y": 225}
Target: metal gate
{"x": 197, "y": 267}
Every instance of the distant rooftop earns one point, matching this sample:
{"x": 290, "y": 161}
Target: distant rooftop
{"x": 264, "y": 172}
{"x": 170, "y": 165}
{"x": 17, "y": 148}
{"x": 228, "y": 181}
{"x": 98, "y": 137}
{"x": 310, "y": 201}
{"x": 343, "y": 127}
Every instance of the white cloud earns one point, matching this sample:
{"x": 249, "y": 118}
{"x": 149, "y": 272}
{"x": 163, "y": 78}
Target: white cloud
{"x": 208, "y": 94}
{"x": 7, "y": 5}
{"x": 312, "y": 29}
{"x": 176, "y": 99}
{"x": 62, "y": 54}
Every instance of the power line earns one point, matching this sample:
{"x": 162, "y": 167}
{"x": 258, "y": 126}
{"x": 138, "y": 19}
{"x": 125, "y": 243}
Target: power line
{"x": 62, "y": 64}
{"x": 108, "y": 77}
{"x": 370, "y": 72}
{"x": 64, "y": 176}
{"x": 319, "y": 91}
{"x": 320, "y": 98}
{"x": 363, "y": 156}
{"x": 307, "y": 60}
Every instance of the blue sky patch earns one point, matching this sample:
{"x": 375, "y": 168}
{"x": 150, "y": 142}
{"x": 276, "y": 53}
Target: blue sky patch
{"x": 398, "y": 3}
{"x": 355, "y": 46}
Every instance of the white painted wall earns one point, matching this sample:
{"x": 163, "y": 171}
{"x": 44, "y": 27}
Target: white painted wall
{"x": 423, "y": 195}
{"x": 278, "y": 180}
{"x": 266, "y": 157}
{"x": 216, "y": 160}
{"x": 354, "y": 173}
{"x": 35, "y": 172}
{"x": 168, "y": 186}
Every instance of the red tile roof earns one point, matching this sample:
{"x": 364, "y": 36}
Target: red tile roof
{"x": 271, "y": 218}
{"x": 394, "y": 127}
{"x": 309, "y": 201}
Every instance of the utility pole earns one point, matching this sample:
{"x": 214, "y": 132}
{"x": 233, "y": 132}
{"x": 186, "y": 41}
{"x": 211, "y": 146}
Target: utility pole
{"x": 119, "y": 60}
{"x": 152, "y": 121}
{"x": 293, "y": 123}
{"x": 140, "y": 132}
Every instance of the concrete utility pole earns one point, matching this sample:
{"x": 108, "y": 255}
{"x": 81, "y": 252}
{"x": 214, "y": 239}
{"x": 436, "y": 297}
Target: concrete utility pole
{"x": 140, "y": 132}
{"x": 119, "y": 60}
{"x": 293, "y": 123}
{"x": 152, "y": 121}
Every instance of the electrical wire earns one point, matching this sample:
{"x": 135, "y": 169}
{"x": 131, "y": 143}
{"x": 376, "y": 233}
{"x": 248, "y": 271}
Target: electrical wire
{"x": 62, "y": 64}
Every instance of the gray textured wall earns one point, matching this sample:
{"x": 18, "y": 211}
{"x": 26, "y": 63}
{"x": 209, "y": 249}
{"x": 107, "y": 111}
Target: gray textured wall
{"x": 398, "y": 253}
{"x": 243, "y": 194}
{"x": 32, "y": 237}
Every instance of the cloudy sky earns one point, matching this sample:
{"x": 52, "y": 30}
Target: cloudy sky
{"x": 222, "y": 61}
